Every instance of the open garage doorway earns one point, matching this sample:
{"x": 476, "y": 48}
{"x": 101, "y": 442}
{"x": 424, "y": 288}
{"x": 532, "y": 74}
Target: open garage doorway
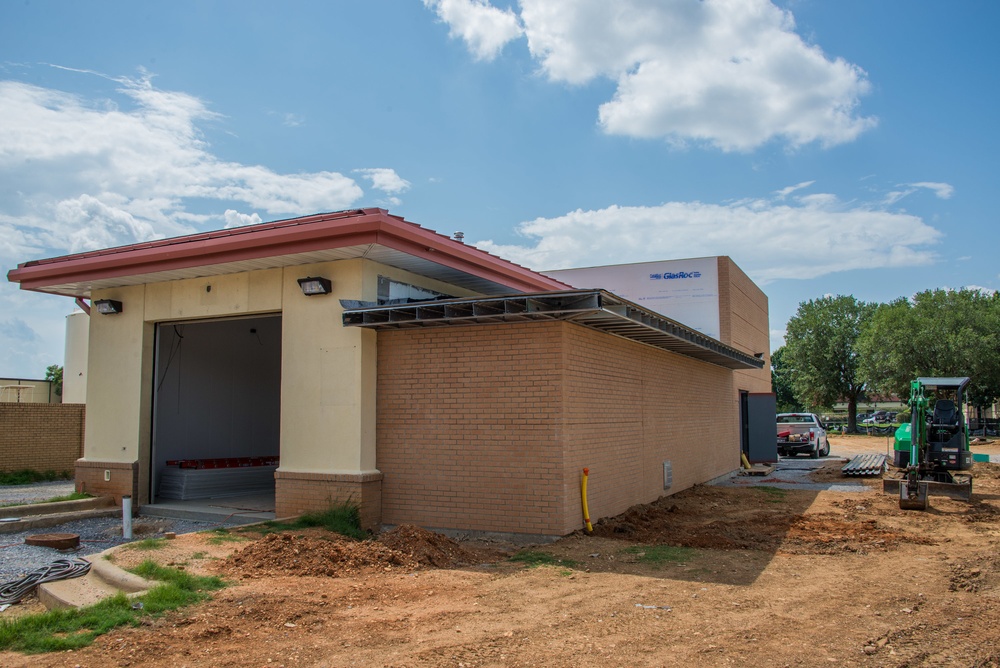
{"x": 216, "y": 416}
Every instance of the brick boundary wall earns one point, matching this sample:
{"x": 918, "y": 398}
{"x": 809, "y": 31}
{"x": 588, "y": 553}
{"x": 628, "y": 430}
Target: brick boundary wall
{"x": 299, "y": 492}
{"x": 124, "y": 479}
{"x": 42, "y": 437}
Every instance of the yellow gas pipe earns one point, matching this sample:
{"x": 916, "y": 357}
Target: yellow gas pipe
{"x": 583, "y": 494}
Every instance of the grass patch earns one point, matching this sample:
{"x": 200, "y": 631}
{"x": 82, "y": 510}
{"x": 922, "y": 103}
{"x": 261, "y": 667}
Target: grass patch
{"x": 148, "y": 544}
{"x": 223, "y": 535}
{"x": 659, "y": 555}
{"x": 73, "y": 496}
{"x": 30, "y": 476}
{"x": 535, "y": 558}
{"x": 62, "y": 630}
{"x": 774, "y": 494}
{"x": 343, "y": 518}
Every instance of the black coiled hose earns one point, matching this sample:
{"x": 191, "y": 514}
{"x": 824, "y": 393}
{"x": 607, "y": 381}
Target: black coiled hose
{"x": 63, "y": 569}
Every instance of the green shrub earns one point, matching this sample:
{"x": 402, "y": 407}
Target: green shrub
{"x": 30, "y": 476}
{"x": 343, "y": 518}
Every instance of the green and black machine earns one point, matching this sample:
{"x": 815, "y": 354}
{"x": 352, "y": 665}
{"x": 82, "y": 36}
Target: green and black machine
{"x": 933, "y": 446}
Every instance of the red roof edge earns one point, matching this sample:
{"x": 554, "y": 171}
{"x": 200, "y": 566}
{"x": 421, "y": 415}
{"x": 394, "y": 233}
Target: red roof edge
{"x": 283, "y": 237}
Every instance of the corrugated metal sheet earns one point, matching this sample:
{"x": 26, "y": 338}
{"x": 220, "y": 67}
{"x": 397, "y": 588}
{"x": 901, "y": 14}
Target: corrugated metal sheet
{"x": 597, "y": 309}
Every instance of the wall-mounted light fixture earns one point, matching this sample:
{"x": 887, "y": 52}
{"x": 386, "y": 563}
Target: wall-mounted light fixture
{"x": 108, "y": 306}
{"x": 315, "y": 285}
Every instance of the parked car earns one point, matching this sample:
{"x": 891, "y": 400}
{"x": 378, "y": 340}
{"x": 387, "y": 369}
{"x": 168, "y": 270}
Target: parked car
{"x": 879, "y": 417}
{"x": 802, "y": 432}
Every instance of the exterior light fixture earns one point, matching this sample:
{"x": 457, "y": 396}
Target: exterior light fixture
{"x": 315, "y": 285}
{"x": 108, "y": 306}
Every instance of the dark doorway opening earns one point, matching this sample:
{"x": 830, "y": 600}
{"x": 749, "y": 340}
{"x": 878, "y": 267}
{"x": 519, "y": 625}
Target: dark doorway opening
{"x": 216, "y": 412}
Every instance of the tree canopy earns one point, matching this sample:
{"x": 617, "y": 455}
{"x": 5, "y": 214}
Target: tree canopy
{"x": 782, "y": 373}
{"x": 54, "y": 374}
{"x": 821, "y": 347}
{"x": 936, "y": 333}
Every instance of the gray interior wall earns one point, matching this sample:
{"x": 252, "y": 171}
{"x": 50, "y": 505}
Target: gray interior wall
{"x": 217, "y": 391}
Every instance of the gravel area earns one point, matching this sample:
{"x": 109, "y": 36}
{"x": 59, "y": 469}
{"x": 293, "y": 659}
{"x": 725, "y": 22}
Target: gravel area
{"x": 14, "y": 494}
{"x": 96, "y": 534}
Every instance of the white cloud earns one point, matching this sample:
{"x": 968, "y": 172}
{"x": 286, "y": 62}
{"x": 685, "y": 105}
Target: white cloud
{"x": 813, "y": 236}
{"x": 386, "y": 180}
{"x": 93, "y": 223}
{"x": 236, "y": 219}
{"x": 785, "y": 192}
{"x": 484, "y": 29}
{"x": 777, "y": 338}
{"x": 84, "y": 174}
{"x": 940, "y": 190}
{"x": 732, "y": 74}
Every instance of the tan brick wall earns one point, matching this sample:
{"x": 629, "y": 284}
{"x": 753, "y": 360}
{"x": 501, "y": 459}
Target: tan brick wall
{"x": 42, "y": 437}
{"x": 123, "y": 479}
{"x": 629, "y": 408}
{"x": 743, "y": 312}
{"x": 469, "y": 427}
{"x": 296, "y": 493}
{"x": 488, "y": 428}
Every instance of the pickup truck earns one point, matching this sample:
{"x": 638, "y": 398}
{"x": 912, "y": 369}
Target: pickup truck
{"x": 802, "y": 432}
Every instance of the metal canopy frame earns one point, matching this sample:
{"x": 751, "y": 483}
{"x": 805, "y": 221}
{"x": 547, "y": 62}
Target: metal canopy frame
{"x": 597, "y": 309}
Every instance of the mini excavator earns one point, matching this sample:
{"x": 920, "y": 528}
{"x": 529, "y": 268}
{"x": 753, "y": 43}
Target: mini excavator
{"x": 933, "y": 446}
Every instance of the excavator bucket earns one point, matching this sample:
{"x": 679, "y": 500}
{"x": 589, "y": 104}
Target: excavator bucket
{"x": 913, "y": 501}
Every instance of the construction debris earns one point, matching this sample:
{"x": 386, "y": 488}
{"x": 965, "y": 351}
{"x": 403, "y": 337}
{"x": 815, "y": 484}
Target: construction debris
{"x": 864, "y": 465}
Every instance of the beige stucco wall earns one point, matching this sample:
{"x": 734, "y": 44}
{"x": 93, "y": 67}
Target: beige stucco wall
{"x": 328, "y": 371}
{"x": 214, "y": 296}
{"x": 323, "y": 371}
{"x": 119, "y": 385}
{"x": 75, "y": 358}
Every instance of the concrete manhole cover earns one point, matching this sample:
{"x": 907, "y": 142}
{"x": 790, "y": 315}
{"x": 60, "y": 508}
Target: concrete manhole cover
{"x": 59, "y": 541}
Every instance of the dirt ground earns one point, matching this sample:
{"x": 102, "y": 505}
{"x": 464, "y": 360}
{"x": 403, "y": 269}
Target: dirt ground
{"x": 753, "y": 575}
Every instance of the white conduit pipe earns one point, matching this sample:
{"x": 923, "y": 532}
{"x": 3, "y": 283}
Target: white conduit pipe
{"x": 127, "y": 517}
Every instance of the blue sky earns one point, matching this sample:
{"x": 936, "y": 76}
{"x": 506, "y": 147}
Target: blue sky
{"x": 845, "y": 147}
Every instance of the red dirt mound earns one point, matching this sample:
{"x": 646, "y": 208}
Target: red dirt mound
{"x": 317, "y": 553}
{"x": 428, "y": 548}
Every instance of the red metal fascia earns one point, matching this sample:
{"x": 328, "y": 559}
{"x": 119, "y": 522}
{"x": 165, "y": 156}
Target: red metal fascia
{"x": 283, "y": 240}
{"x": 297, "y": 235}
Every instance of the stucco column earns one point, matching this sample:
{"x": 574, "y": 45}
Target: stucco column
{"x": 119, "y": 392}
{"x": 327, "y": 398}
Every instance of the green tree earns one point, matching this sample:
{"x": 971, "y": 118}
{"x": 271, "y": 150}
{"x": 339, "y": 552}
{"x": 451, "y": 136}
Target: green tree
{"x": 936, "y": 333}
{"x": 781, "y": 380}
{"x": 821, "y": 346}
{"x": 54, "y": 374}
